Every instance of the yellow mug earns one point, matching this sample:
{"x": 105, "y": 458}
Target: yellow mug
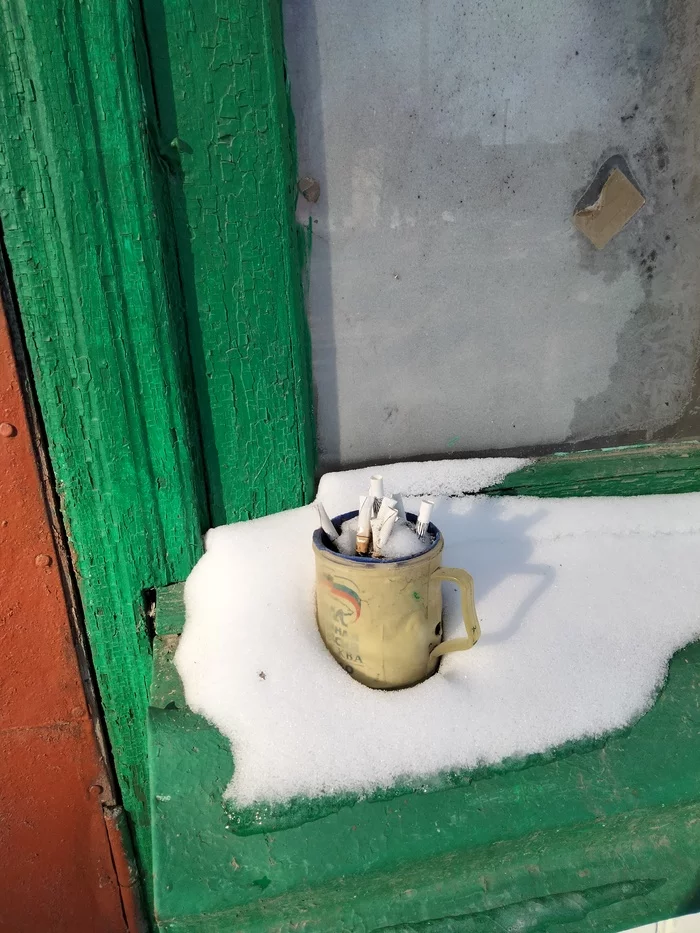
{"x": 382, "y": 619}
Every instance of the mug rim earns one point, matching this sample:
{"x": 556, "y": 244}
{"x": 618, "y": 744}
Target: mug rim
{"x": 321, "y": 542}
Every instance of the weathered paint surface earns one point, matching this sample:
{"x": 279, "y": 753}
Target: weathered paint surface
{"x": 99, "y": 304}
{"x": 147, "y": 199}
{"x": 598, "y": 836}
{"x": 643, "y": 470}
{"x": 223, "y": 117}
{"x": 56, "y": 861}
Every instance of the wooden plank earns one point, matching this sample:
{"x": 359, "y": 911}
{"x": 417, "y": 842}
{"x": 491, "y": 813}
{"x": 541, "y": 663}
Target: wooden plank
{"x": 99, "y": 300}
{"x": 170, "y": 609}
{"x": 224, "y": 119}
{"x": 619, "y": 471}
{"x": 534, "y": 839}
{"x": 602, "y": 877}
{"x": 166, "y": 688}
{"x": 598, "y": 835}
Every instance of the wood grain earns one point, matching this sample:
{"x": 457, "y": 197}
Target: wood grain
{"x": 645, "y": 469}
{"x": 224, "y": 121}
{"x": 601, "y": 834}
{"x": 99, "y": 301}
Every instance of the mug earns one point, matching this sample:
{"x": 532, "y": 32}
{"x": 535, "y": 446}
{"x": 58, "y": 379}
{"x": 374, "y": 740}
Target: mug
{"x": 382, "y": 619}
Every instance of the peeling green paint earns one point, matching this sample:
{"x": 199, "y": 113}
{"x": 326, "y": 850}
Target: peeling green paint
{"x": 220, "y": 88}
{"x": 98, "y": 296}
{"x": 147, "y": 195}
{"x": 600, "y": 835}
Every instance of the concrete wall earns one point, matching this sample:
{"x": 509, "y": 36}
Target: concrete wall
{"x": 453, "y": 305}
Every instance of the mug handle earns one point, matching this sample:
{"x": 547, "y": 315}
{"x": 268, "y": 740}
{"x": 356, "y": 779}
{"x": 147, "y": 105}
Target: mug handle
{"x": 466, "y": 585}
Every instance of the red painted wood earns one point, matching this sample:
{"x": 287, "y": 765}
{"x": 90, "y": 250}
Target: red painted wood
{"x": 56, "y": 863}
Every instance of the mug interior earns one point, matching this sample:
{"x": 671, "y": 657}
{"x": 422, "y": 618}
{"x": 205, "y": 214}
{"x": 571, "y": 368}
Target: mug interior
{"x": 323, "y": 542}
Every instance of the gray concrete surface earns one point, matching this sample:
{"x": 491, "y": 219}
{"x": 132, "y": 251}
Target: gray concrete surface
{"x": 453, "y": 306}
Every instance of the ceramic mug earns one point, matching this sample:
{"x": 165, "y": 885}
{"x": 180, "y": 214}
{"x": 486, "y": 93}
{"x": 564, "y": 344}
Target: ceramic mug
{"x": 382, "y": 619}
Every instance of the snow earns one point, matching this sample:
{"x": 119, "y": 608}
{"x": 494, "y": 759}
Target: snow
{"x": 581, "y": 601}
{"x": 404, "y": 542}
{"x": 347, "y": 538}
{"x": 419, "y": 480}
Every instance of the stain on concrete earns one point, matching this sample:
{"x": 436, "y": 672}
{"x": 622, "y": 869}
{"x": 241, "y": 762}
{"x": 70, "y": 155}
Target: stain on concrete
{"x": 653, "y": 382}
{"x": 447, "y": 283}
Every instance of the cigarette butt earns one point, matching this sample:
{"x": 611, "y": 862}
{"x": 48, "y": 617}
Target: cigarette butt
{"x": 386, "y": 506}
{"x": 401, "y": 520}
{"x": 426, "y": 510}
{"x": 387, "y": 527}
{"x": 381, "y": 529}
{"x": 364, "y": 529}
{"x": 364, "y": 516}
{"x": 326, "y": 523}
{"x": 376, "y": 492}
{"x": 376, "y": 486}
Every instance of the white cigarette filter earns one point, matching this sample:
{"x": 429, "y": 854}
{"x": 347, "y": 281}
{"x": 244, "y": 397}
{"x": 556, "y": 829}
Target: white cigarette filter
{"x": 382, "y": 527}
{"x": 426, "y": 510}
{"x": 363, "y": 527}
{"x": 326, "y": 523}
{"x": 387, "y": 527}
{"x": 386, "y": 506}
{"x": 401, "y": 520}
{"x": 376, "y": 491}
{"x": 364, "y": 516}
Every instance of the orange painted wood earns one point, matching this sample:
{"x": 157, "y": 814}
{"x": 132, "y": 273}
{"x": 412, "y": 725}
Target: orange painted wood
{"x": 56, "y": 863}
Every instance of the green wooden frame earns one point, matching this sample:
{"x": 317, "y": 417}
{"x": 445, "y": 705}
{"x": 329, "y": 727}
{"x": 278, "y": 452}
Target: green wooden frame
{"x": 229, "y": 143}
{"x": 640, "y": 470}
{"x": 125, "y": 318}
{"x": 100, "y": 314}
{"x": 596, "y": 839}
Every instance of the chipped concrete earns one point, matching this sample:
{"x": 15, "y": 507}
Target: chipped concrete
{"x": 453, "y": 305}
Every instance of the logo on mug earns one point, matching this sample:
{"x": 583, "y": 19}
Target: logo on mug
{"x": 347, "y": 605}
